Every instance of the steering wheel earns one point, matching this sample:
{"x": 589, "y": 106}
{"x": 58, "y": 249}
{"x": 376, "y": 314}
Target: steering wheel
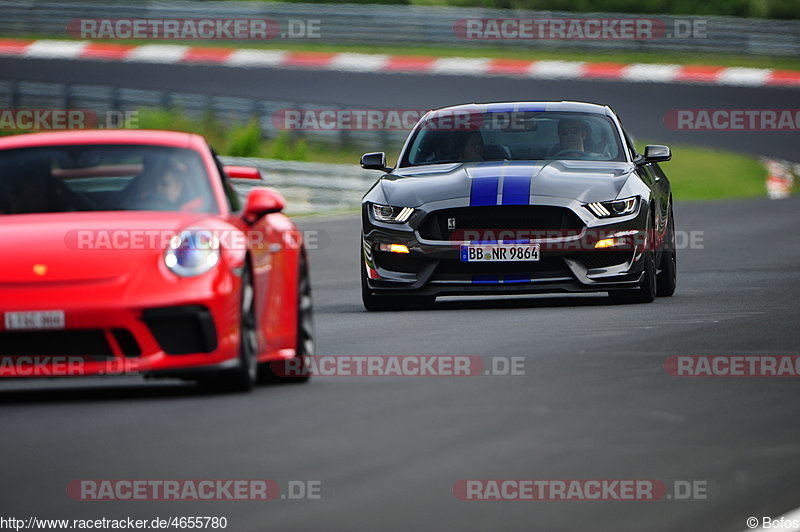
{"x": 579, "y": 153}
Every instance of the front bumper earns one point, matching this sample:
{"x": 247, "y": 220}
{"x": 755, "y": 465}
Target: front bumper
{"x": 105, "y": 336}
{"x": 569, "y": 261}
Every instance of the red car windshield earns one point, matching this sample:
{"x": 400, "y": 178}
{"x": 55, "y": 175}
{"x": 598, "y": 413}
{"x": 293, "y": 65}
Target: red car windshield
{"x": 103, "y": 178}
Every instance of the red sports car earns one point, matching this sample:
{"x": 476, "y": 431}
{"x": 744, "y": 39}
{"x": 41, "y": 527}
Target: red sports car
{"x": 130, "y": 252}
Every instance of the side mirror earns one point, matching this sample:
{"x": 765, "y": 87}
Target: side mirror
{"x": 260, "y": 202}
{"x": 655, "y": 153}
{"x": 242, "y": 172}
{"x": 374, "y": 161}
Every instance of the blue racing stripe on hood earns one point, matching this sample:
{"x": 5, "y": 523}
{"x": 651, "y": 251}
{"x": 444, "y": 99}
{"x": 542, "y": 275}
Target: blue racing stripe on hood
{"x": 484, "y": 191}
{"x": 517, "y": 180}
{"x": 516, "y": 188}
{"x": 484, "y": 184}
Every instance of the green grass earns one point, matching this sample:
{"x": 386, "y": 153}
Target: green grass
{"x": 490, "y": 51}
{"x": 706, "y": 174}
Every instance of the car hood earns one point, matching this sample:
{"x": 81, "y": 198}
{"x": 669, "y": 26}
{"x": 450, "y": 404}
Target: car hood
{"x": 479, "y": 183}
{"x": 85, "y": 246}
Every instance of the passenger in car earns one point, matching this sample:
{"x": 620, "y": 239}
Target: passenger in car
{"x": 31, "y": 189}
{"x": 473, "y": 147}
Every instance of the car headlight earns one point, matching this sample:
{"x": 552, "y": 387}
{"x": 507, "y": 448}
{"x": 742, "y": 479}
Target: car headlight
{"x": 387, "y": 213}
{"x": 192, "y": 252}
{"x": 609, "y": 209}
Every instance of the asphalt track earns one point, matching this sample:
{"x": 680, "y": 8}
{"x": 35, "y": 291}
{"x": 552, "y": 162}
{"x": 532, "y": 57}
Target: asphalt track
{"x": 642, "y": 106}
{"x": 595, "y": 403}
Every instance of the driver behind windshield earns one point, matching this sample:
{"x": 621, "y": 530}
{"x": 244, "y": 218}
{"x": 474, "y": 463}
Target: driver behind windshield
{"x": 163, "y": 185}
{"x": 572, "y": 134}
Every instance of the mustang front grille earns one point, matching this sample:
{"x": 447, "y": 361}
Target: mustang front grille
{"x": 447, "y": 224}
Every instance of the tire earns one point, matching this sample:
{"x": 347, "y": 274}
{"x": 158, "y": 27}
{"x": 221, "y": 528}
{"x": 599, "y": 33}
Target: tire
{"x": 375, "y": 303}
{"x": 304, "y": 344}
{"x": 667, "y": 278}
{"x": 646, "y": 292}
{"x": 244, "y": 377}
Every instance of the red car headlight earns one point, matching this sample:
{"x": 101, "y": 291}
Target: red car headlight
{"x": 192, "y": 252}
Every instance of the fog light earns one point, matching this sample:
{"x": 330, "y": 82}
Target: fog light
{"x": 393, "y": 248}
{"x": 605, "y": 243}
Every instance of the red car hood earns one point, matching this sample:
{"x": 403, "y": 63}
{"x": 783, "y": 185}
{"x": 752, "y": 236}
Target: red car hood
{"x": 85, "y": 246}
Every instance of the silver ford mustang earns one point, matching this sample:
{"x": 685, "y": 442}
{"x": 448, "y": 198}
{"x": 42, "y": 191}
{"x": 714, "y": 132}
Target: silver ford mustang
{"x": 522, "y": 197}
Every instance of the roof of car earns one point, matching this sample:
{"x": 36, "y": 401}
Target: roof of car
{"x": 102, "y": 136}
{"x": 580, "y": 107}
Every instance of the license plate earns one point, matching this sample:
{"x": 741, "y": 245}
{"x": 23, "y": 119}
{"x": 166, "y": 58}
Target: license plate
{"x": 499, "y": 252}
{"x": 43, "y": 319}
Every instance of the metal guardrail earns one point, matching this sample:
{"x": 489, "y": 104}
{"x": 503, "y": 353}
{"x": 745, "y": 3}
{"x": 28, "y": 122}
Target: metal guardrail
{"x": 229, "y": 110}
{"x": 407, "y": 25}
{"x": 309, "y": 187}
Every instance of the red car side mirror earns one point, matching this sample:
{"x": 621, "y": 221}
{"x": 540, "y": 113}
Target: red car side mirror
{"x": 262, "y": 201}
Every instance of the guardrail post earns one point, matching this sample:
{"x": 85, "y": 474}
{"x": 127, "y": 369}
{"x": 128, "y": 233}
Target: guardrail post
{"x": 65, "y": 93}
{"x": 297, "y": 133}
{"x": 116, "y": 99}
{"x": 344, "y": 137}
{"x": 13, "y": 96}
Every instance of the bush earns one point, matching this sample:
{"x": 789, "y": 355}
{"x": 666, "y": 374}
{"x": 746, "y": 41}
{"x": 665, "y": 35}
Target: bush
{"x": 286, "y": 148}
{"x": 245, "y": 141}
{"x": 176, "y": 120}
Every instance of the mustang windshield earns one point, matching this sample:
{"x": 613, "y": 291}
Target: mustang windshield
{"x": 513, "y": 136}
{"x": 103, "y": 178}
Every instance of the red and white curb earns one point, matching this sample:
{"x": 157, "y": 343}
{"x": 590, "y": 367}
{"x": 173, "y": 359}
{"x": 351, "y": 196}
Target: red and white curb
{"x": 781, "y": 176}
{"x": 351, "y": 62}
